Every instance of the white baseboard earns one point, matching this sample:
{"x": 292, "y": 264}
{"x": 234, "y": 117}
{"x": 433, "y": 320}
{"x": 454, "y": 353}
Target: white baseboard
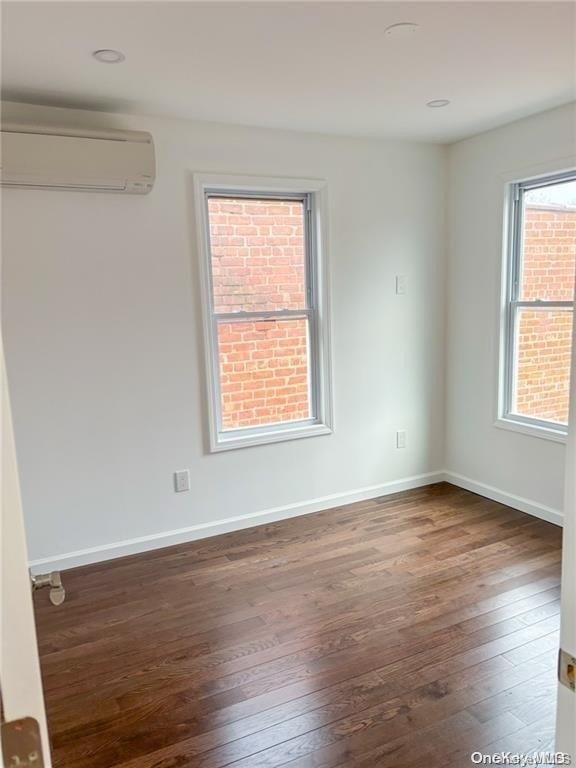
{"x": 204, "y": 530}
{"x": 516, "y": 502}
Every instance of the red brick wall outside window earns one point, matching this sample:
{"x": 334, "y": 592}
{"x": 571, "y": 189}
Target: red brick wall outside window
{"x": 258, "y": 265}
{"x": 544, "y": 337}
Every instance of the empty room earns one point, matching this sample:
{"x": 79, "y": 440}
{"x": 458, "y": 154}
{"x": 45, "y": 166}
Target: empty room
{"x": 287, "y": 451}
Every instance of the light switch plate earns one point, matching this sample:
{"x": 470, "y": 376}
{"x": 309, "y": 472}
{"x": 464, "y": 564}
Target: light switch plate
{"x": 400, "y": 285}
{"x": 182, "y": 481}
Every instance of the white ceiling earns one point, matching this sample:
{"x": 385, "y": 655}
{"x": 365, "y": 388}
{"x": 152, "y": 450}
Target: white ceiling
{"x": 318, "y": 66}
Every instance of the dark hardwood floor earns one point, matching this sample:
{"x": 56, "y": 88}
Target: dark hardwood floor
{"x": 404, "y": 631}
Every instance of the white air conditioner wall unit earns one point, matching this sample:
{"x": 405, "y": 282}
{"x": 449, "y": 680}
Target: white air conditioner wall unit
{"x": 77, "y": 159}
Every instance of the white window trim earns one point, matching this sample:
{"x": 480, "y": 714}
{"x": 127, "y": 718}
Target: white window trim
{"x": 531, "y": 429}
{"x": 322, "y": 424}
{"x": 505, "y": 418}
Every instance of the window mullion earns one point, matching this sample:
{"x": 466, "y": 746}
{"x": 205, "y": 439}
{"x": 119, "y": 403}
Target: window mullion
{"x": 276, "y": 314}
{"x": 542, "y": 304}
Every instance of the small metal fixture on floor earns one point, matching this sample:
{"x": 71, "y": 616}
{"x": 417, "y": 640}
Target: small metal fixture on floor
{"x": 53, "y": 580}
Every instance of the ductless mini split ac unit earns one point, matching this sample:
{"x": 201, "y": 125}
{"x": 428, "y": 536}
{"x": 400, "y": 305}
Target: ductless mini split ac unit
{"x": 77, "y": 159}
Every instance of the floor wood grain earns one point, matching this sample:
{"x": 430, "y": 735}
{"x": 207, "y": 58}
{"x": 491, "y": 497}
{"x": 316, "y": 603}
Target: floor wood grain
{"x": 405, "y": 631}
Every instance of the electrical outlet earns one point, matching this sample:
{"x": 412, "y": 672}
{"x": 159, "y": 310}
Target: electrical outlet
{"x": 182, "y": 480}
{"x": 401, "y": 438}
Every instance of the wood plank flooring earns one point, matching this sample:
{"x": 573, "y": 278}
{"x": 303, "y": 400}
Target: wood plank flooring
{"x": 404, "y": 631}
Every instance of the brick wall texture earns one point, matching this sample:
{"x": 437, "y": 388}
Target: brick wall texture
{"x": 258, "y": 252}
{"x": 544, "y": 337}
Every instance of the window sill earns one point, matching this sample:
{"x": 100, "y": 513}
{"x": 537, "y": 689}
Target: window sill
{"x": 533, "y": 430}
{"x": 224, "y": 442}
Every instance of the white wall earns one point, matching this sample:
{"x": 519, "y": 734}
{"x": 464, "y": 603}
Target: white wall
{"x": 104, "y": 352}
{"x": 513, "y": 464}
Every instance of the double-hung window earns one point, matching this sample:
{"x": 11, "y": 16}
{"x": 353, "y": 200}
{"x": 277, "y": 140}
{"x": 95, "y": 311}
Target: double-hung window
{"x": 539, "y": 305}
{"x": 265, "y": 305}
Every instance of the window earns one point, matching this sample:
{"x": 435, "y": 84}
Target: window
{"x": 539, "y": 305}
{"x": 265, "y": 309}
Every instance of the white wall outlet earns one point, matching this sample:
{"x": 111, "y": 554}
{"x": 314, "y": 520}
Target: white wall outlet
{"x": 400, "y": 285}
{"x": 182, "y": 480}
{"x": 401, "y": 438}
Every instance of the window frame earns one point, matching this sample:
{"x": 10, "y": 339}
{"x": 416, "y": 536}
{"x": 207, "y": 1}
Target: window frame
{"x": 513, "y": 304}
{"x": 313, "y": 194}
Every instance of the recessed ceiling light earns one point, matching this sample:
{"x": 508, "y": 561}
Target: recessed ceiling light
{"x": 401, "y": 29}
{"x": 109, "y": 56}
{"x": 437, "y": 103}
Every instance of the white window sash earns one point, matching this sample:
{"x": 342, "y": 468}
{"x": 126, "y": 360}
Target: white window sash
{"x": 316, "y": 311}
{"x": 513, "y": 305}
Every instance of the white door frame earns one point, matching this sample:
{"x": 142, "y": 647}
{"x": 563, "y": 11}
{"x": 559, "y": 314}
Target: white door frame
{"x": 566, "y": 712}
{"x": 19, "y": 663}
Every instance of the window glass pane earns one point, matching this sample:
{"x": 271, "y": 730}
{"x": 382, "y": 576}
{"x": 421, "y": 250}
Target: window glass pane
{"x": 257, "y": 254}
{"x": 549, "y": 243}
{"x": 264, "y": 372}
{"x": 543, "y": 348}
